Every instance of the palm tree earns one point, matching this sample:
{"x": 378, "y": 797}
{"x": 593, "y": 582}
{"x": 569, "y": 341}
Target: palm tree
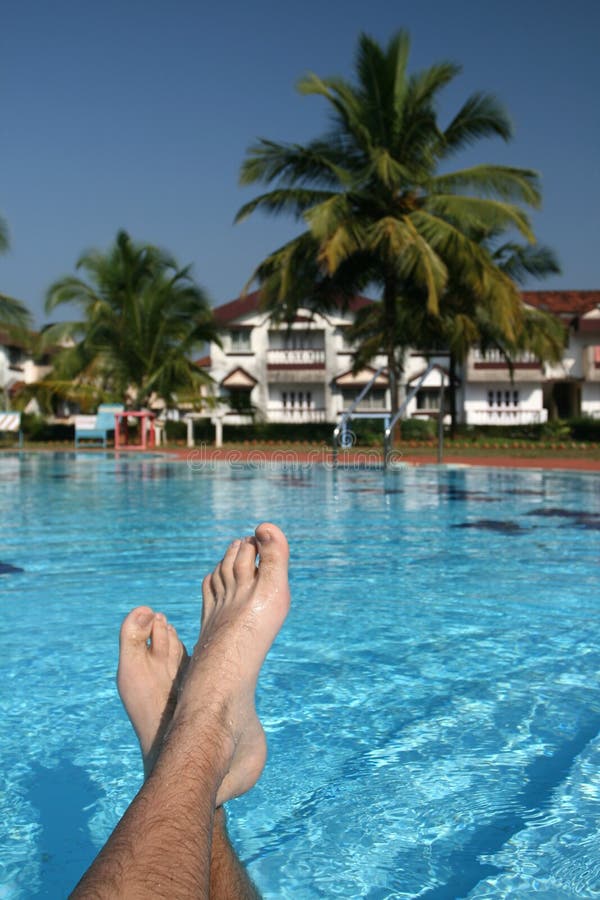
{"x": 465, "y": 320}
{"x": 378, "y": 205}
{"x": 142, "y": 318}
{"x": 13, "y": 313}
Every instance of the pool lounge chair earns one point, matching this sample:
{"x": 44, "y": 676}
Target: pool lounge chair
{"x": 96, "y": 428}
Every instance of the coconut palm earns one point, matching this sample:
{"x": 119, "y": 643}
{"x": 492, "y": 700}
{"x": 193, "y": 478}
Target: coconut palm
{"x": 143, "y": 316}
{"x": 13, "y": 313}
{"x": 465, "y": 320}
{"x": 378, "y": 204}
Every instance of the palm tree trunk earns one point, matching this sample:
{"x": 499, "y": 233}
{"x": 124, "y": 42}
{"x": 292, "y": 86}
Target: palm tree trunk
{"x": 452, "y": 394}
{"x": 389, "y": 305}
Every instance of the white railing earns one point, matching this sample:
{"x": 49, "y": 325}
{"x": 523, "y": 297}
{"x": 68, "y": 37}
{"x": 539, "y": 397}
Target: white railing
{"x": 296, "y": 357}
{"x": 497, "y": 359}
{"x": 295, "y": 414}
{"x": 366, "y": 405}
{"x": 498, "y": 415}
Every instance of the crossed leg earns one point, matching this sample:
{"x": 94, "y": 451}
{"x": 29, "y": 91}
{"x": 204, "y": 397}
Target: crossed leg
{"x": 201, "y": 740}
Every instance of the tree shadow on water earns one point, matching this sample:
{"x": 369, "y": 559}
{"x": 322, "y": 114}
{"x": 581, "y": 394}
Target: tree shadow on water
{"x": 63, "y": 796}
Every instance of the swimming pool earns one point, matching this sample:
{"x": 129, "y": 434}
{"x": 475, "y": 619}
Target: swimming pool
{"x": 432, "y": 704}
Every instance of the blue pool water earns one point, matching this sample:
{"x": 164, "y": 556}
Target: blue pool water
{"x": 432, "y": 704}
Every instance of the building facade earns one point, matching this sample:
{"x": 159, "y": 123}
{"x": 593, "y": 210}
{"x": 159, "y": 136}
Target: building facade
{"x": 302, "y": 372}
{"x": 17, "y": 367}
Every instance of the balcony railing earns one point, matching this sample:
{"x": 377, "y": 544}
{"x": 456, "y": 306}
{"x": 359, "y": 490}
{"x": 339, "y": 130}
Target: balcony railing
{"x": 367, "y": 406}
{"x": 494, "y": 359}
{"x": 295, "y": 414}
{"x": 296, "y": 357}
{"x": 499, "y": 415}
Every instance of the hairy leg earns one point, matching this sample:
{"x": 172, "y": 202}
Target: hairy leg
{"x": 163, "y": 844}
{"x": 228, "y": 878}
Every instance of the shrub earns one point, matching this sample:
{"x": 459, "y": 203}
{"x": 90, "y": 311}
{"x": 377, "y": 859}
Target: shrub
{"x": 585, "y": 428}
{"x": 418, "y": 429}
{"x": 35, "y": 428}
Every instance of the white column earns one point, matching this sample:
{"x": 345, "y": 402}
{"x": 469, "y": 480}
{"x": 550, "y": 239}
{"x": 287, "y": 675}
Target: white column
{"x": 218, "y": 431}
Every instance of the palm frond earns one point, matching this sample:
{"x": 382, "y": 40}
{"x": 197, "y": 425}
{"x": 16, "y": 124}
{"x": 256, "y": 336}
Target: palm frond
{"x": 520, "y": 262}
{"x": 14, "y": 313}
{"x": 480, "y": 116}
{"x": 479, "y": 213}
{"x": 505, "y": 182}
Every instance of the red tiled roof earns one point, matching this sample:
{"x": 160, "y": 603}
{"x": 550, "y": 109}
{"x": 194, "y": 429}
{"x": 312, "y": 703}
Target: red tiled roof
{"x": 243, "y": 306}
{"x": 563, "y": 303}
{"x": 250, "y": 303}
{"x": 560, "y": 303}
{"x": 204, "y": 362}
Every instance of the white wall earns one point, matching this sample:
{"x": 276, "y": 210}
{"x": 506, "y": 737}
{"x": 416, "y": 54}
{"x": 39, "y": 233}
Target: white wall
{"x": 590, "y": 399}
{"x": 530, "y": 407}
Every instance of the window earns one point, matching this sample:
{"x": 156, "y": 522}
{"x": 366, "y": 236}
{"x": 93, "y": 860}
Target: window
{"x": 375, "y": 399}
{"x": 239, "y": 400}
{"x": 490, "y": 398}
{"x": 428, "y": 400}
{"x": 15, "y": 356}
{"x": 240, "y": 341}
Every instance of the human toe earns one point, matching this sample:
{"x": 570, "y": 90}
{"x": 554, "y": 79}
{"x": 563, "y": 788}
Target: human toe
{"x": 244, "y": 566}
{"x": 136, "y": 628}
{"x": 273, "y": 550}
{"x": 208, "y": 598}
{"x": 217, "y": 585}
{"x": 227, "y": 565}
{"x": 159, "y": 636}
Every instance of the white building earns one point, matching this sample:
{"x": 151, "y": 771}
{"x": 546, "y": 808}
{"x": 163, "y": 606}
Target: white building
{"x": 295, "y": 373}
{"x": 17, "y": 366}
{"x": 302, "y": 372}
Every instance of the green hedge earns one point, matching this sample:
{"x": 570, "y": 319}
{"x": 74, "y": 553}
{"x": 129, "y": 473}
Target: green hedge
{"x": 585, "y": 429}
{"x": 367, "y": 432}
{"x": 36, "y": 429}
{"x": 418, "y": 429}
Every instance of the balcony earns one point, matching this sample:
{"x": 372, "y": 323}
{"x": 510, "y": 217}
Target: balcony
{"x": 295, "y": 414}
{"x": 492, "y": 366}
{"x": 508, "y": 415}
{"x": 306, "y": 365}
{"x": 298, "y": 358}
{"x": 591, "y": 363}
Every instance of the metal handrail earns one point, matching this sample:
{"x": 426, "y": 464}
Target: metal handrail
{"x": 389, "y": 428}
{"x": 347, "y": 414}
{"x": 389, "y": 423}
{"x": 412, "y": 393}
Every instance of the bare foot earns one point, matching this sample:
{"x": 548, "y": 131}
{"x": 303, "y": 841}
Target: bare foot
{"x": 152, "y": 661}
{"x": 244, "y": 606}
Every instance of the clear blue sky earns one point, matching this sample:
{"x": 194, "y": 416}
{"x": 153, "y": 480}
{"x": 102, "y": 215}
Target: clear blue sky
{"x": 137, "y": 114}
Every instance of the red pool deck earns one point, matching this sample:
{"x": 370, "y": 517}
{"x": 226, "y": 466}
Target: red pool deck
{"x": 320, "y": 456}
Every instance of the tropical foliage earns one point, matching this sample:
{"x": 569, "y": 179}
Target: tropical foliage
{"x": 466, "y": 320}
{"x": 380, "y": 208}
{"x": 13, "y": 313}
{"x": 142, "y": 317}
